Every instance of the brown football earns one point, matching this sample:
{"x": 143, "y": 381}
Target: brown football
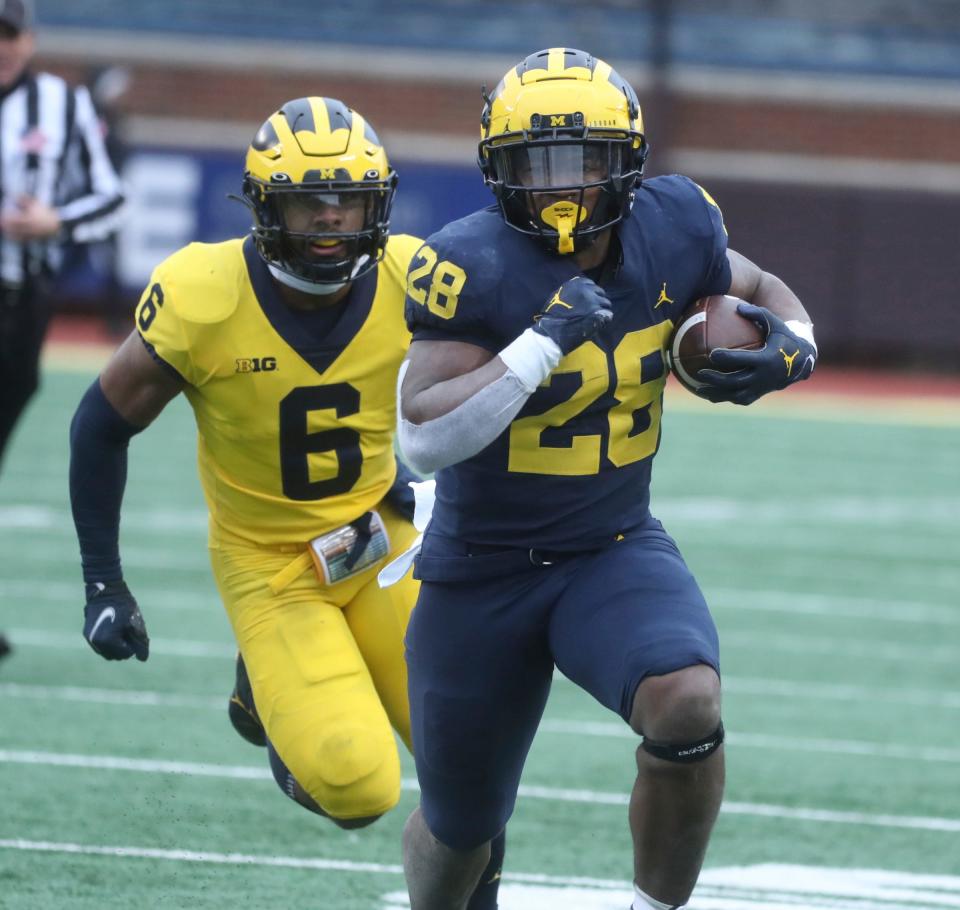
{"x": 709, "y": 323}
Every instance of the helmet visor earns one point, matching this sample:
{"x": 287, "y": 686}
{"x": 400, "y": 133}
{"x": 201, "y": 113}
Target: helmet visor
{"x": 324, "y": 212}
{"x": 560, "y": 165}
{"x": 323, "y": 233}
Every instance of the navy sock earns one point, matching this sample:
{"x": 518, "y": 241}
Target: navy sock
{"x": 485, "y": 894}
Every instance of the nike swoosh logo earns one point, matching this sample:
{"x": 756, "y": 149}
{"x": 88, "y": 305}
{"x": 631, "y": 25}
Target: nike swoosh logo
{"x": 108, "y": 613}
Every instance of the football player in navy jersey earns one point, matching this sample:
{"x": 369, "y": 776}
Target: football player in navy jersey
{"x": 533, "y": 388}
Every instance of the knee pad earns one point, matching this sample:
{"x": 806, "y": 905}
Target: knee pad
{"x": 356, "y": 772}
{"x": 685, "y": 753}
{"x": 343, "y": 792}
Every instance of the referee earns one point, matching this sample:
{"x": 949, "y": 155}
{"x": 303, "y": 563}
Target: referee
{"x": 57, "y": 185}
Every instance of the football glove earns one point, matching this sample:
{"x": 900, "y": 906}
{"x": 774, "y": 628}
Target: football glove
{"x": 743, "y": 376}
{"x": 113, "y": 625}
{"x": 576, "y": 312}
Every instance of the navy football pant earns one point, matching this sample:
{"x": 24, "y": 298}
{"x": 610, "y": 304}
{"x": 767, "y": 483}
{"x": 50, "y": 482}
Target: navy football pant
{"x": 483, "y": 640}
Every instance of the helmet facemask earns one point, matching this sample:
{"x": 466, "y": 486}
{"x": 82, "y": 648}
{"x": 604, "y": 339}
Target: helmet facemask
{"x": 562, "y": 147}
{"x": 296, "y": 223}
{"x": 564, "y": 190}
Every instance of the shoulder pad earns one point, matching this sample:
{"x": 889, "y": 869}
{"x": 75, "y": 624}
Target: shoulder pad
{"x": 201, "y": 280}
{"x": 476, "y": 244}
{"x": 454, "y": 282}
{"x": 399, "y": 252}
{"x": 690, "y": 207}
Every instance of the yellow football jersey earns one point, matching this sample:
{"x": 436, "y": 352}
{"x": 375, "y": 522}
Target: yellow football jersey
{"x": 295, "y": 423}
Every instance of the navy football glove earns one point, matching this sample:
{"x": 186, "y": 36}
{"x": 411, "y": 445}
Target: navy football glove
{"x": 576, "y": 312}
{"x": 784, "y": 359}
{"x": 113, "y": 624}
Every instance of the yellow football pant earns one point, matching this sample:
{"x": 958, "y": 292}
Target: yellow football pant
{"x": 326, "y": 665}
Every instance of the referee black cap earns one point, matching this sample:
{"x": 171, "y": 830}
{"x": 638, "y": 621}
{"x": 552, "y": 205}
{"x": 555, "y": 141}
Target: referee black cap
{"x": 15, "y": 14}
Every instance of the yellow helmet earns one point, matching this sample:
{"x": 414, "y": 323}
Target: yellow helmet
{"x": 318, "y": 152}
{"x": 560, "y": 124}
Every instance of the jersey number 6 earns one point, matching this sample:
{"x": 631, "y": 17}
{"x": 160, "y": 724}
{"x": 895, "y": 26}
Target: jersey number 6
{"x": 297, "y": 443}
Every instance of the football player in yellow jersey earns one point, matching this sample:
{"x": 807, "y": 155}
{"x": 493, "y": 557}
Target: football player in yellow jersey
{"x": 287, "y": 344}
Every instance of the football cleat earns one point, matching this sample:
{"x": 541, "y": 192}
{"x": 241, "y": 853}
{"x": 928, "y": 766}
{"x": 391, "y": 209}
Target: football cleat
{"x": 242, "y": 710}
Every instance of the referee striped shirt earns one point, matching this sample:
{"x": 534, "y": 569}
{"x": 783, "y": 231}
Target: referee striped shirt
{"x": 51, "y": 148}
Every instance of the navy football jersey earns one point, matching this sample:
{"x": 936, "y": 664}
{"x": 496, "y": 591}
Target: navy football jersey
{"x": 573, "y": 469}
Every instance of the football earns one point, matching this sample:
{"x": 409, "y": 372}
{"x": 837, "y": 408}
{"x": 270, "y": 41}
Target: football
{"x": 709, "y": 323}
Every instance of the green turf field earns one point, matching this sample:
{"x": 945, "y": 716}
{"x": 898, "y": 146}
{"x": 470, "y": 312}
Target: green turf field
{"x": 828, "y": 545}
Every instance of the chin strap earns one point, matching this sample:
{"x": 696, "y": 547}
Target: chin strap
{"x": 301, "y": 284}
{"x": 318, "y": 288}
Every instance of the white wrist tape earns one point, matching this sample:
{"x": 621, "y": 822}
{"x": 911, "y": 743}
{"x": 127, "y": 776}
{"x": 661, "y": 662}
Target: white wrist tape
{"x": 467, "y": 429}
{"x": 531, "y": 357}
{"x": 803, "y": 330}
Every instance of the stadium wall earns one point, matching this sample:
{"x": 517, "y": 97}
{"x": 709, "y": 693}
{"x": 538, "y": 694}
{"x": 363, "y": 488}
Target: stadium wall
{"x": 848, "y": 187}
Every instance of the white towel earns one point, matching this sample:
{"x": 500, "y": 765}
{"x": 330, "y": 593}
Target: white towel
{"x": 424, "y": 494}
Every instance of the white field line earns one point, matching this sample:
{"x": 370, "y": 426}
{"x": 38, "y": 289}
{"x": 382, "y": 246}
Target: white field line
{"x": 804, "y": 546}
{"x": 784, "y": 688}
{"x": 30, "y": 516}
{"x": 153, "y": 599}
{"x": 876, "y": 609}
{"x": 768, "y": 886}
{"x": 870, "y": 649}
{"x": 874, "y": 696}
{"x": 578, "y": 728}
{"x": 133, "y": 697}
{"x": 799, "y": 573}
{"x": 762, "y": 687}
{"x": 189, "y": 559}
{"x": 873, "y": 609}
{"x": 854, "y": 511}
{"x": 205, "y": 856}
{"x": 549, "y": 794}
{"x": 929, "y": 546}
{"x": 858, "y": 748}
{"x": 835, "y": 564}
{"x": 63, "y": 593}
{"x": 169, "y": 647}
{"x": 290, "y": 862}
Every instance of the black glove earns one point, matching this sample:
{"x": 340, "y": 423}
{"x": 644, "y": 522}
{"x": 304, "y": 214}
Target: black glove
{"x": 576, "y": 312}
{"x": 113, "y": 625}
{"x": 784, "y": 359}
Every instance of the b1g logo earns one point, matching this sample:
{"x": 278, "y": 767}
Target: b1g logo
{"x": 256, "y": 364}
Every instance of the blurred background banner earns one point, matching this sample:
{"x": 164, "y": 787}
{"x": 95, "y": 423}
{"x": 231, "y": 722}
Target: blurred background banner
{"x": 829, "y": 134}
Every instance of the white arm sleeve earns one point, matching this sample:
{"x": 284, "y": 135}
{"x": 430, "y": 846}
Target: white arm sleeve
{"x": 473, "y": 425}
